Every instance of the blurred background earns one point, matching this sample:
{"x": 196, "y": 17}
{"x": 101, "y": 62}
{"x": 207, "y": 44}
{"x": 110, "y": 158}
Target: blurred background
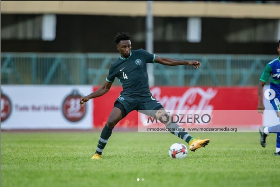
{"x": 68, "y": 42}
{"x": 54, "y": 52}
{"x": 60, "y": 43}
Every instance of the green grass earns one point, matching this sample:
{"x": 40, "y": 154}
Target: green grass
{"x": 63, "y": 159}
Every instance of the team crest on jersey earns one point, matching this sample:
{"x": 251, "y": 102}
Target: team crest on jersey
{"x": 277, "y": 70}
{"x": 276, "y": 75}
{"x": 120, "y": 98}
{"x": 138, "y": 62}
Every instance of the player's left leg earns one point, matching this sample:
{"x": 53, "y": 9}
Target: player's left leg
{"x": 115, "y": 116}
{"x": 156, "y": 110}
{"x": 122, "y": 106}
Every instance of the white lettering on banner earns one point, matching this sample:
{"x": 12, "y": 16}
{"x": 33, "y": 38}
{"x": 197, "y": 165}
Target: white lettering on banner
{"x": 185, "y": 102}
{"x": 74, "y": 105}
{"x": 74, "y": 109}
{"x": 76, "y": 115}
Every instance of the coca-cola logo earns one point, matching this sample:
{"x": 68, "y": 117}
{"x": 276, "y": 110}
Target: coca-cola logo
{"x": 71, "y": 108}
{"x": 6, "y": 107}
{"x": 187, "y": 100}
{"x": 195, "y": 100}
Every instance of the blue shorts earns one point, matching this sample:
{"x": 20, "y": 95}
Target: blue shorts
{"x": 276, "y": 104}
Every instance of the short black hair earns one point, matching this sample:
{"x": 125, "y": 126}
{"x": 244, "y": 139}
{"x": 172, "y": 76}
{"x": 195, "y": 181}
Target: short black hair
{"x": 122, "y": 36}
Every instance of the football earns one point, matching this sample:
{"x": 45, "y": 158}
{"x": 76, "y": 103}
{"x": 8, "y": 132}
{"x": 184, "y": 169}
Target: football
{"x": 178, "y": 151}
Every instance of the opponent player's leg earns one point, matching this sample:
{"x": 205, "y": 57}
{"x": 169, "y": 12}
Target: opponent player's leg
{"x": 277, "y": 152}
{"x": 178, "y": 131}
{"x": 264, "y": 131}
{"x": 115, "y": 116}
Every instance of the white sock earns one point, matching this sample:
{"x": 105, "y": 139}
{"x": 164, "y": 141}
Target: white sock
{"x": 265, "y": 130}
{"x": 277, "y": 150}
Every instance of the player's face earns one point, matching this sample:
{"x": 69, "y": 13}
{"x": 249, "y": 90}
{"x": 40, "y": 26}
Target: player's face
{"x": 278, "y": 49}
{"x": 124, "y": 47}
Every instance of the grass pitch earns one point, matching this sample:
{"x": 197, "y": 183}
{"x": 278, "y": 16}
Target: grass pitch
{"x": 63, "y": 159}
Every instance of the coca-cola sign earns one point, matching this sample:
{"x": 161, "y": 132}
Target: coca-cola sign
{"x": 188, "y": 100}
{"x": 6, "y": 107}
{"x": 191, "y": 99}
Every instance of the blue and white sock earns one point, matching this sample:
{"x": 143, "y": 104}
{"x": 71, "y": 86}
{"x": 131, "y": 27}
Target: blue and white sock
{"x": 274, "y": 129}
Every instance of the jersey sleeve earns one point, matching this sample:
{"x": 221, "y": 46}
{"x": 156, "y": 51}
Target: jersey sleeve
{"x": 111, "y": 76}
{"x": 266, "y": 73}
{"x": 150, "y": 58}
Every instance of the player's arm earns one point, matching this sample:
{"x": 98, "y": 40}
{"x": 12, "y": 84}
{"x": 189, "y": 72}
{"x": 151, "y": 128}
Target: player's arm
{"x": 264, "y": 78}
{"x": 260, "y": 97}
{"x": 172, "y": 62}
{"x": 101, "y": 91}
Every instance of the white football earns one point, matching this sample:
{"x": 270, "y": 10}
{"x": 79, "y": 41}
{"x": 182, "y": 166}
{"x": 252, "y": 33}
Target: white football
{"x": 178, "y": 151}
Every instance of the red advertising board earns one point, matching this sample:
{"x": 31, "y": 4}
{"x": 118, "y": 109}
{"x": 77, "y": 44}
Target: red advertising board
{"x": 188, "y": 98}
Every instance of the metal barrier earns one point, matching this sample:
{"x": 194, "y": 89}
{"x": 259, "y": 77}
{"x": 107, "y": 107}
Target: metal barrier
{"x": 92, "y": 68}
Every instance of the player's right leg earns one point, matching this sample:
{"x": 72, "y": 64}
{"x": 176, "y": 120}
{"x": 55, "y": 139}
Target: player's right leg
{"x": 151, "y": 107}
{"x": 174, "y": 128}
{"x": 115, "y": 116}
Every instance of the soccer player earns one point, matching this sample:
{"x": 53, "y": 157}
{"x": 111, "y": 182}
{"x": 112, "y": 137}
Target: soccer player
{"x": 271, "y": 69}
{"x": 131, "y": 69}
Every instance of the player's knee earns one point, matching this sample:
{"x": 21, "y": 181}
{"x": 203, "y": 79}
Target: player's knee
{"x": 163, "y": 117}
{"x": 111, "y": 123}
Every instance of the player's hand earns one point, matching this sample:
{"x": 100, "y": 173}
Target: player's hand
{"x": 260, "y": 108}
{"x": 194, "y": 63}
{"x": 84, "y": 100}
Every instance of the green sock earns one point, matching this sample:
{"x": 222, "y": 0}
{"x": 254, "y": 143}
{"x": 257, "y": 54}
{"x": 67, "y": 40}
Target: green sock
{"x": 191, "y": 139}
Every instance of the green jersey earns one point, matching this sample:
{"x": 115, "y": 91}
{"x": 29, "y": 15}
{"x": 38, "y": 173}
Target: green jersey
{"x": 272, "y": 69}
{"x": 132, "y": 72}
